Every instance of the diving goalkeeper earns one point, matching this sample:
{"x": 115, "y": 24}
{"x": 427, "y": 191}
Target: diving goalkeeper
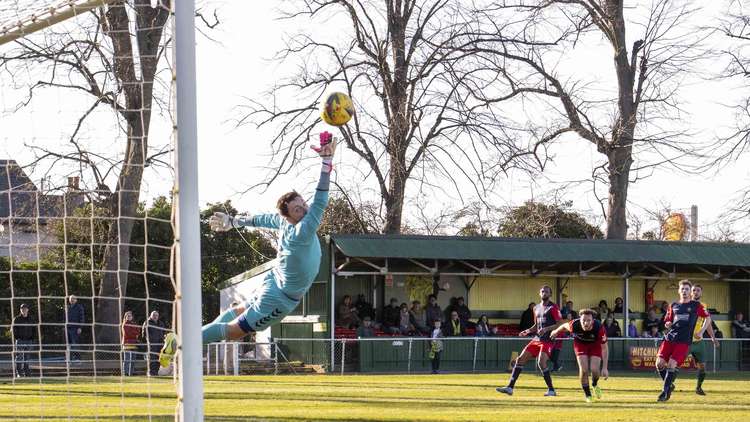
{"x": 298, "y": 254}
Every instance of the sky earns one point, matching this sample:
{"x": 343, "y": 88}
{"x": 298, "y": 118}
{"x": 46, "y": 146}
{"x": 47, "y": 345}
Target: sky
{"x": 234, "y": 63}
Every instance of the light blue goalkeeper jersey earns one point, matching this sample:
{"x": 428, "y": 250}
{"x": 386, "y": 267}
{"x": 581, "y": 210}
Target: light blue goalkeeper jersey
{"x": 299, "y": 248}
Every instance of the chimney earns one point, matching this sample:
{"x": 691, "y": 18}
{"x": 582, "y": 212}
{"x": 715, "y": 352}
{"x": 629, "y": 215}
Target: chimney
{"x": 73, "y": 183}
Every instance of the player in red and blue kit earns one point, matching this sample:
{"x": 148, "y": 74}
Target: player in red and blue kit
{"x": 590, "y": 345}
{"x": 547, "y": 317}
{"x": 680, "y": 320}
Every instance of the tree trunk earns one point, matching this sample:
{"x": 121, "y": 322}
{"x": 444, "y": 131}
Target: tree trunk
{"x": 619, "y": 171}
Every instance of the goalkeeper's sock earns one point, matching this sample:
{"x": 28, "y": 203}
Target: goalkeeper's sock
{"x": 215, "y": 331}
{"x": 227, "y": 316}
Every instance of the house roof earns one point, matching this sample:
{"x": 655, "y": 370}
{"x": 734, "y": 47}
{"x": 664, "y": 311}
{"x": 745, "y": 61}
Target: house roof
{"x": 20, "y": 197}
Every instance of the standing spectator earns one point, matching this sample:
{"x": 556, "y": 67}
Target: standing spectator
{"x": 391, "y": 316}
{"x": 612, "y": 327}
{"x": 366, "y": 330}
{"x": 364, "y": 308}
{"x": 618, "y": 305}
{"x": 24, "y": 332}
{"x": 419, "y": 318}
{"x": 632, "y": 330}
{"x": 433, "y": 311}
{"x": 130, "y": 331}
{"x": 455, "y": 327}
{"x": 154, "y": 331}
{"x": 436, "y": 346}
{"x": 527, "y": 318}
{"x": 650, "y": 321}
{"x": 464, "y": 313}
{"x": 568, "y": 312}
{"x": 76, "y": 317}
{"x": 603, "y": 310}
{"x": 483, "y": 327}
{"x": 740, "y": 327}
{"x": 347, "y": 315}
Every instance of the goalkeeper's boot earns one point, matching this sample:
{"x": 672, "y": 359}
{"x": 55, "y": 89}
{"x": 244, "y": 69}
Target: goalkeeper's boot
{"x": 505, "y": 390}
{"x": 598, "y": 392}
{"x": 168, "y": 350}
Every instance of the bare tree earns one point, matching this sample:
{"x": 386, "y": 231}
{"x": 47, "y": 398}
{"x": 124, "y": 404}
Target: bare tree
{"x": 626, "y": 127}
{"x": 426, "y": 108}
{"x": 113, "y": 58}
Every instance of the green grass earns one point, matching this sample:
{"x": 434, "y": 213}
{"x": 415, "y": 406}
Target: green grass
{"x": 452, "y": 397}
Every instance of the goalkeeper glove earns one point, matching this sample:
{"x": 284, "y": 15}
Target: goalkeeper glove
{"x": 220, "y": 222}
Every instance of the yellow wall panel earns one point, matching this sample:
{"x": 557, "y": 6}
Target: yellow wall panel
{"x": 506, "y": 294}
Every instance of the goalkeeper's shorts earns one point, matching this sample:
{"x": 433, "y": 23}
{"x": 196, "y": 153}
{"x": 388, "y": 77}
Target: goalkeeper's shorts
{"x": 267, "y": 305}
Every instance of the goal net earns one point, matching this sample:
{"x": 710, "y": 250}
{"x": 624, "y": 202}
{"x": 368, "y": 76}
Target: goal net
{"x": 98, "y": 223}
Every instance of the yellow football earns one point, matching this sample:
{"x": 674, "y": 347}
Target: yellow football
{"x": 338, "y": 109}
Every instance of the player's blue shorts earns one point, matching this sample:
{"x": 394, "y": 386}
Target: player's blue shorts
{"x": 267, "y": 305}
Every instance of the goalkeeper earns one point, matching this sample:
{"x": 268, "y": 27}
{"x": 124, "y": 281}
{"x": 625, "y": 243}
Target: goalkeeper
{"x": 298, "y": 253}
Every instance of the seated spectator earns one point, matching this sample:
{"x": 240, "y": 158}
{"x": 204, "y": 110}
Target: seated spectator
{"x": 454, "y": 327}
{"x": 612, "y": 327}
{"x": 433, "y": 311}
{"x": 527, "y": 318}
{"x": 717, "y": 331}
{"x": 391, "y": 317}
{"x": 602, "y": 310}
{"x": 618, "y": 305}
{"x": 740, "y": 327}
{"x": 347, "y": 313}
{"x": 482, "y": 327}
{"x": 405, "y": 325}
{"x": 653, "y": 332}
{"x": 464, "y": 314}
{"x": 366, "y": 329}
{"x": 364, "y": 308}
{"x": 632, "y": 330}
{"x": 568, "y": 312}
{"x": 419, "y": 318}
{"x": 651, "y": 321}
{"x": 664, "y": 309}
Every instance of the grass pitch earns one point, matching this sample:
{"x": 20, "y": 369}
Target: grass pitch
{"x": 449, "y": 397}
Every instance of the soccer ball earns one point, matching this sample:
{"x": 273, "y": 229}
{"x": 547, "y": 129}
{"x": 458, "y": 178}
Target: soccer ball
{"x": 338, "y": 109}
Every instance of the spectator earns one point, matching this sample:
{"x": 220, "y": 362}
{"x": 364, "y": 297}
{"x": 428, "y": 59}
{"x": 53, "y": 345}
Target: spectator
{"x": 653, "y": 332}
{"x": 130, "y": 331}
{"x": 527, "y": 318}
{"x": 75, "y": 317}
{"x": 740, "y": 327}
{"x": 154, "y": 331}
{"x": 364, "y": 308}
{"x": 436, "y": 346}
{"x": 632, "y": 330}
{"x": 602, "y": 310}
{"x": 419, "y": 318}
{"x": 405, "y": 324}
{"x": 650, "y": 321}
{"x": 366, "y": 329}
{"x": 347, "y": 313}
{"x": 464, "y": 313}
{"x": 24, "y": 332}
{"x": 664, "y": 309}
{"x": 568, "y": 312}
{"x": 433, "y": 311}
{"x": 452, "y": 303}
{"x": 454, "y": 327}
{"x": 391, "y": 317}
{"x": 612, "y": 327}
{"x": 618, "y": 305}
{"x": 482, "y": 327}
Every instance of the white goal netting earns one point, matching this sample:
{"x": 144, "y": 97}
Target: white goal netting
{"x": 89, "y": 262}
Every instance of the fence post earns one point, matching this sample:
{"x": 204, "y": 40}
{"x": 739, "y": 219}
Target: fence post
{"x": 474, "y": 362}
{"x": 225, "y": 346}
{"x": 208, "y": 359}
{"x": 236, "y": 358}
{"x": 275, "y": 357}
{"x": 714, "y": 348}
{"x": 216, "y": 358}
{"x": 343, "y": 354}
{"x": 408, "y": 361}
